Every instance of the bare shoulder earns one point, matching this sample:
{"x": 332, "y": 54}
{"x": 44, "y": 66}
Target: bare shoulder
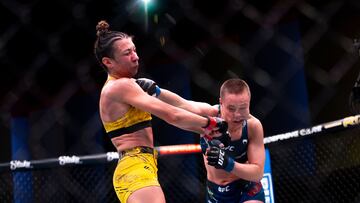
{"x": 254, "y": 122}
{"x": 114, "y": 87}
{"x": 255, "y": 127}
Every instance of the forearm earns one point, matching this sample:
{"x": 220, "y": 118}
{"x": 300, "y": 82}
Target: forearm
{"x": 250, "y": 172}
{"x": 195, "y": 123}
{"x": 217, "y": 156}
{"x": 171, "y": 114}
{"x": 171, "y": 98}
{"x": 187, "y": 120}
{"x": 199, "y": 108}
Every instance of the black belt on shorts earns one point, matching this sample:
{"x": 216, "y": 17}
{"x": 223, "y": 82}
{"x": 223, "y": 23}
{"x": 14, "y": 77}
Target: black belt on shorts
{"x": 137, "y": 150}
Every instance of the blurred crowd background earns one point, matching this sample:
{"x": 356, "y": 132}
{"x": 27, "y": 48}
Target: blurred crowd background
{"x": 297, "y": 56}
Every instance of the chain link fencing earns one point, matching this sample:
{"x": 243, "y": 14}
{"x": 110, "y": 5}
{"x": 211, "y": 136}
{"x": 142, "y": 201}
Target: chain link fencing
{"x": 296, "y": 55}
{"x": 319, "y": 164}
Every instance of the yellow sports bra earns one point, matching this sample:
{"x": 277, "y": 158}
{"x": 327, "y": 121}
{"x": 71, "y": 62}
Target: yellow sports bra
{"x": 133, "y": 120}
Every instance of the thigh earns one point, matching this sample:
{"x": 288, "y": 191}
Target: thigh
{"x": 153, "y": 194}
{"x": 134, "y": 173}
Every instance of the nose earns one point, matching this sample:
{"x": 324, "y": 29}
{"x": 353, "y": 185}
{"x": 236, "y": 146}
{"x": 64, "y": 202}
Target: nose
{"x": 240, "y": 115}
{"x": 135, "y": 57}
{"x": 237, "y": 114}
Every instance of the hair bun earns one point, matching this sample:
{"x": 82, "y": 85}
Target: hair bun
{"x": 102, "y": 27}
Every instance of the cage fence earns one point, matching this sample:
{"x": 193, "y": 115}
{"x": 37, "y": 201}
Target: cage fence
{"x": 307, "y": 165}
{"x": 50, "y": 75}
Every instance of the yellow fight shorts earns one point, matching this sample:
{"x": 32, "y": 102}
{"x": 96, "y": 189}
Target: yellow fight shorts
{"x": 137, "y": 168}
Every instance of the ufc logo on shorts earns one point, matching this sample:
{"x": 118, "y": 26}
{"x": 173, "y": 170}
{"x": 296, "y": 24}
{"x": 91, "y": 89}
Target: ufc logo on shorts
{"x": 223, "y": 189}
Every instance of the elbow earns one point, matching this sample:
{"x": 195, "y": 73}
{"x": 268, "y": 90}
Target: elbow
{"x": 174, "y": 118}
{"x": 256, "y": 177}
{"x": 181, "y": 120}
{"x": 259, "y": 176}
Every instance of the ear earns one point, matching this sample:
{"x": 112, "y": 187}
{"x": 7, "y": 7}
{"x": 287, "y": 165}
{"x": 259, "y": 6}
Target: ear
{"x": 107, "y": 62}
{"x": 220, "y": 102}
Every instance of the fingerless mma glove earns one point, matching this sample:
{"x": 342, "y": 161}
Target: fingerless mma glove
{"x": 216, "y": 122}
{"x": 218, "y": 158}
{"x": 221, "y": 124}
{"x": 149, "y": 86}
{"x": 224, "y": 138}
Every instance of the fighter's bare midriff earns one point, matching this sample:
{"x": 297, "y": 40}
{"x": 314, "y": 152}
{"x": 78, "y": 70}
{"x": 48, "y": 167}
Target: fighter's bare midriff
{"x": 143, "y": 137}
{"x": 219, "y": 176}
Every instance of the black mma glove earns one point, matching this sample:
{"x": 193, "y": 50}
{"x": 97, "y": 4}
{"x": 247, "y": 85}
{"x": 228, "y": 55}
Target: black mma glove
{"x": 149, "y": 86}
{"x": 218, "y": 158}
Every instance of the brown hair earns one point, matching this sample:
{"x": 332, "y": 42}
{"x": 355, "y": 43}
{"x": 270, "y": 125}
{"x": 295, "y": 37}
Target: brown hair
{"x": 105, "y": 39}
{"x": 234, "y": 86}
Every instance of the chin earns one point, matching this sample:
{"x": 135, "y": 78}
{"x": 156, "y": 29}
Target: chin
{"x": 136, "y": 70}
{"x": 133, "y": 73}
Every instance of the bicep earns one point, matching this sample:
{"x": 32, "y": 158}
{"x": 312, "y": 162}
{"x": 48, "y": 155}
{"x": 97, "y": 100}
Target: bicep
{"x": 137, "y": 98}
{"x": 256, "y": 149}
{"x": 171, "y": 114}
{"x": 133, "y": 95}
